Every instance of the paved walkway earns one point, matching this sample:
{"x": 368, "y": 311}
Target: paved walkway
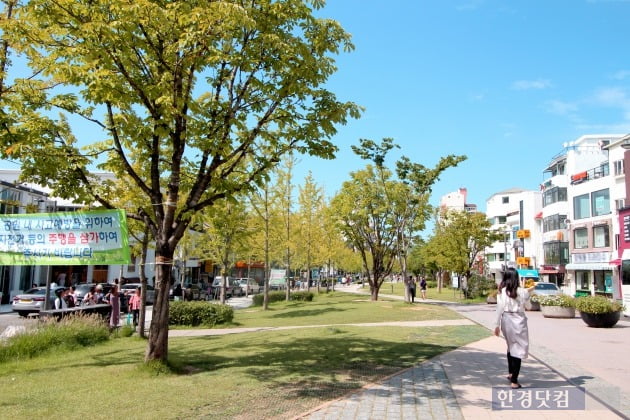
{"x": 459, "y": 384}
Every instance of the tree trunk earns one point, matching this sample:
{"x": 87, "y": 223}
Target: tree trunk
{"x": 157, "y": 347}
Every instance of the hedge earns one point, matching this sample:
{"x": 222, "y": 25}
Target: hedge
{"x": 257, "y": 300}
{"x": 199, "y": 313}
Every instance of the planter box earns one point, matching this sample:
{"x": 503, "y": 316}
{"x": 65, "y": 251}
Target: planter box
{"x": 607, "y": 320}
{"x": 557, "y": 312}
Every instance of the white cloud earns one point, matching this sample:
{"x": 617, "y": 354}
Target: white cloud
{"x": 561, "y": 107}
{"x": 531, "y": 84}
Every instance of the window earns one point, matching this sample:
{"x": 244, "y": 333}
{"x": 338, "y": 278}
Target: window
{"x": 556, "y": 252}
{"x": 554, "y": 222}
{"x": 581, "y": 280}
{"x": 505, "y": 200}
{"x": 620, "y": 203}
{"x": 501, "y": 219}
{"x": 618, "y": 167}
{"x": 554, "y": 195}
{"x": 10, "y": 201}
{"x": 581, "y": 207}
{"x": 580, "y": 238}
{"x": 600, "y": 202}
{"x": 601, "y": 236}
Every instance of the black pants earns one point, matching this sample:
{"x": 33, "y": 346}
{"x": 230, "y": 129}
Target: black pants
{"x": 412, "y": 292}
{"x": 136, "y": 315}
{"x": 514, "y": 367}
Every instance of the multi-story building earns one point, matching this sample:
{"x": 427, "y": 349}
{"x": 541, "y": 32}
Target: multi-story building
{"x": 457, "y": 200}
{"x": 515, "y": 213}
{"x": 578, "y": 216}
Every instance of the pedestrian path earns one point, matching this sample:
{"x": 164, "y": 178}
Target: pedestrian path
{"x": 459, "y": 385}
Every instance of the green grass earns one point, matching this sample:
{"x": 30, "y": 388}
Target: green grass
{"x": 448, "y": 294}
{"x": 271, "y": 374}
{"x": 338, "y": 307}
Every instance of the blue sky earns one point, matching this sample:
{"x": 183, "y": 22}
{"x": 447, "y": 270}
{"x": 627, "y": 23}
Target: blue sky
{"x": 504, "y": 82}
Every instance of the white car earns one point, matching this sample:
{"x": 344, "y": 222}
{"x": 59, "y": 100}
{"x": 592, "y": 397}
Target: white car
{"x": 250, "y": 286}
{"x": 544, "y": 288}
{"x": 130, "y": 288}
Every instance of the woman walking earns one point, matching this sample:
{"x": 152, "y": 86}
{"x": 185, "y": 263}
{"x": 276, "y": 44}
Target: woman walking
{"x": 512, "y": 322}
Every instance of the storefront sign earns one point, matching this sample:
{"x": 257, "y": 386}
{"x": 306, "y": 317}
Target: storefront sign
{"x": 69, "y": 238}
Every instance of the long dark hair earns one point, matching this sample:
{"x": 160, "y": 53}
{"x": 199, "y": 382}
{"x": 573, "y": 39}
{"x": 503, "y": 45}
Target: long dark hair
{"x": 511, "y": 282}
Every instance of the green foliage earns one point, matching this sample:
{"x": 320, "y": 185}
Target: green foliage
{"x": 70, "y": 333}
{"x": 479, "y": 286}
{"x": 257, "y": 300}
{"x": 431, "y": 284}
{"x": 199, "y": 314}
{"x": 564, "y": 301}
{"x": 459, "y": 237}
{"x": 597, "y": 305}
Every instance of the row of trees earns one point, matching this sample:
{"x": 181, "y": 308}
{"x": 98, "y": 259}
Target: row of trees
{"x": 191, "y": 104}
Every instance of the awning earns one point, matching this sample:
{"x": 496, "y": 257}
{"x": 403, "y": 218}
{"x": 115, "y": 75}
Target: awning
{"x": 590, "y": 266}
{"x": 548, "y": 271}
{"x": 615, "y": 261}
{"x": 527, "y": 273}
{"x": 538, "y": 215}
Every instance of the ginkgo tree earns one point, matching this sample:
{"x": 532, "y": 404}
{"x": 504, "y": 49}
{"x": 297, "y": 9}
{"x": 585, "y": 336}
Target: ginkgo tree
{"x": 192, "y": 100}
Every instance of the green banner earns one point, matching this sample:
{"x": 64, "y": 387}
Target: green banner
{"x": 97, "y": 237}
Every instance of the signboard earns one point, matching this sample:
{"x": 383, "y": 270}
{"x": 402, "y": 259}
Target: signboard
{"x": 64, "y": 238}
{"x": 522, "y": 260}
{"x": 523, "y": 233}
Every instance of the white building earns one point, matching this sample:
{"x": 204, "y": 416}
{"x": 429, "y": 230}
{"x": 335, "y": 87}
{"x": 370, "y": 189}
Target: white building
{"x": 515, "y": 213}
{"x": 457, "y": 200}
{"x": 579, "y": 218}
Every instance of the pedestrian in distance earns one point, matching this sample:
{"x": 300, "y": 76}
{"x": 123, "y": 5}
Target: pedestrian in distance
{"x": 412, "y": 288}
{"x": 512, "y": 322}
{"x": 60, "y": 302}
{"x": 98, "y": 295}
{"x": 90, "y": 297}
{"x": 134, "y": 305}
{"x": 113, "y": 299}
{"x": 423, "y": 288}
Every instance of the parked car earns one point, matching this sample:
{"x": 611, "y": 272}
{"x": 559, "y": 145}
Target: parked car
{"x": 32, "y": 300}
{"x": 82, "y": 289}
{"x": 250, "y": 286}
{"x": 544, "y": 288}
{"x": 130, "y": 288}
{"x": 232, "y": 287}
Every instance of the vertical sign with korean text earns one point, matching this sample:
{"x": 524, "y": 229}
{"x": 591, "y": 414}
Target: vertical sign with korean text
{"x": 65, "y": 238}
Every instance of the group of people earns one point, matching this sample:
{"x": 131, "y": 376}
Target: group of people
{"x": 413, "y": 283}
{"x": 66, "y": 298}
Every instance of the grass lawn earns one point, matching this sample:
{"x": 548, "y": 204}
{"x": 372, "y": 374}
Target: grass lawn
{"x": 448, "y": 294}
{"x": 271, "y": 374}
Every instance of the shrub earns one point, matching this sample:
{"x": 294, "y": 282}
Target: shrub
{"x": 431, "y": 284}
{"x": 597, "y": 305}
{"x": 257, "y": 300}
{"x": 554, "y": 300}
{"x": 70, "y": 333}
{"x": 478, "y": 286}
{"x": 199, "y": 313}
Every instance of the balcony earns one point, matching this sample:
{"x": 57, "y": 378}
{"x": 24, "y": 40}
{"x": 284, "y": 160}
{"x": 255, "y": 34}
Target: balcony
{"x": 597, "y": 172}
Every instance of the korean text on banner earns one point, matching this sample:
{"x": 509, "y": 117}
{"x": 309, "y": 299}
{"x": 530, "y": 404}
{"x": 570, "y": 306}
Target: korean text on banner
{"x": 65, "y": 238}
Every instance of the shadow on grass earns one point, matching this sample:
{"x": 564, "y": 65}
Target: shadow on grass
{"x": 307, "y": 312}
{"x": 320, "y": 367}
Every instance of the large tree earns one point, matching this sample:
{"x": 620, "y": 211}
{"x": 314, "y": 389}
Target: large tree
{"x": 459, "y": 238}
{"x": 194, "y": 100}
{"x": 379, "y": 213}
